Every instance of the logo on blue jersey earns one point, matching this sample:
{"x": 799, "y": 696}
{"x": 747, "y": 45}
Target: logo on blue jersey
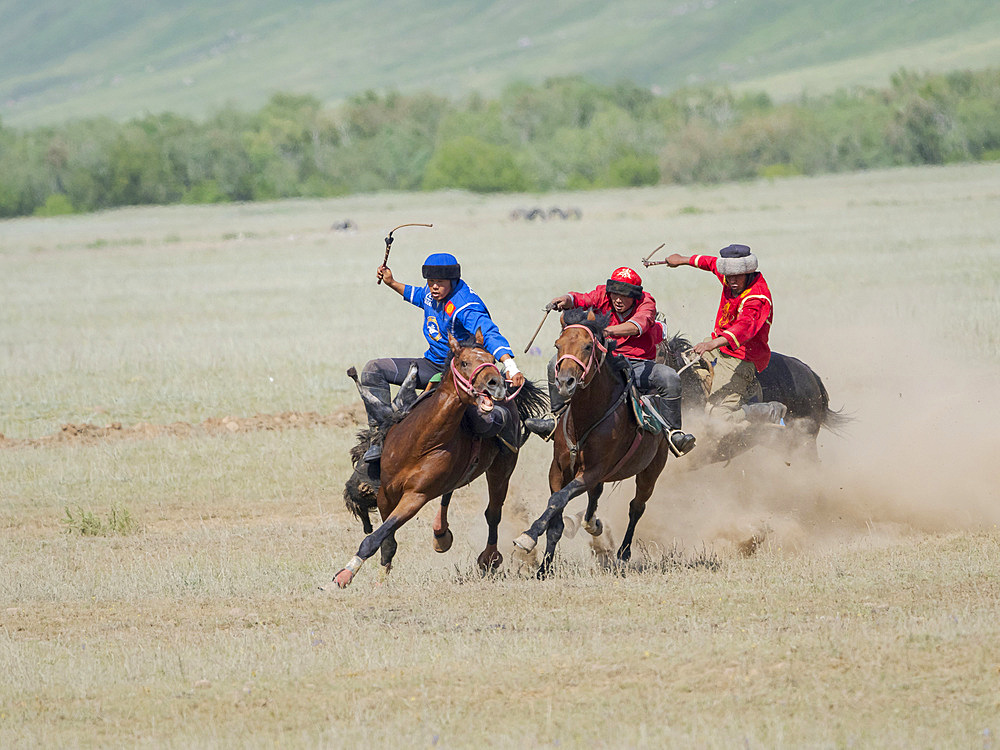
{"x": 432, "y": 328}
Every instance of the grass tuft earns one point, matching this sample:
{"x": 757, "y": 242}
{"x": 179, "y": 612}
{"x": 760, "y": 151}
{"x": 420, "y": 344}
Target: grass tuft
{"x": 87, "y": 523}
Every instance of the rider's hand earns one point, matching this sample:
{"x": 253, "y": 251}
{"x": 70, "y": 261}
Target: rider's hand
{"x": 517, "y": 379}
{"x": 675, "y": 259}
{"x": 562, "y": 302}
{"x": 703, "y": 347}
{"x": 384, "y": 275}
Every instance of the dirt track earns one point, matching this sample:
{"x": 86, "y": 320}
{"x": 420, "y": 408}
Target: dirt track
{"x": 90, "y": 433}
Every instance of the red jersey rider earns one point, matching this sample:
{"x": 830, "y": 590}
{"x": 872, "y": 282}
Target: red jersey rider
{"x": 740, "y": 335}
{"x": 636, "y": 333}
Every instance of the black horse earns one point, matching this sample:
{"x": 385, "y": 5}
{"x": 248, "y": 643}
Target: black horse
{"x": 786, "y": 380}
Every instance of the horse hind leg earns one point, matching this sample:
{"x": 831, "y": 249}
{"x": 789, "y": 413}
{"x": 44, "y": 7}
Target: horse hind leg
{"x": 498, "y": 479}
{"x": 553, "y": 533}
{"x": 443, "y": 538}
{"x": 645, "y": 481}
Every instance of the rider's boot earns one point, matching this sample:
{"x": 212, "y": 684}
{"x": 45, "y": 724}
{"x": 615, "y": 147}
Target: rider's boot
{"x": 545, "y": 427}
{"x": 374, "y": 452}
{"x": 680, "y": 442}
{"x": 769, "y": 412}
{"x": 486, "y": 424}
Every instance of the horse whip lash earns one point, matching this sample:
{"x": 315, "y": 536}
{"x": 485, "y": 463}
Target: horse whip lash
{"x": 647, "y": 264}
{"x": 388, "y": 242}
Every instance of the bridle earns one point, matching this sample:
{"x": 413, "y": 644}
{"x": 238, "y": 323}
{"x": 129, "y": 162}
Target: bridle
{"x": 465, "y": 384}
{"x": 594, "y": 356}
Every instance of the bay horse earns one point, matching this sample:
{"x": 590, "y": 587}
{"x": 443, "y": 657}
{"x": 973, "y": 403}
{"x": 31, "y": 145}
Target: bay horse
{"x": 597, "y": 438}
{"x": 785, "y": 379}
{"x": 429, "y": 454}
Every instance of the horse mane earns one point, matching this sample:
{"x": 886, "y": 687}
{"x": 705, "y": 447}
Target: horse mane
{"x": 670, "y": 350}
{"x": 577, "y": 316}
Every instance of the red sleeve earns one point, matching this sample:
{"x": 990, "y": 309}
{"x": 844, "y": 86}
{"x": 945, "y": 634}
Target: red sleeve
{"x": 754, "y": 312}
{"x": 589, "y": 299}
{"x": 645, "y": 312}
{"x": 705, "y": 263}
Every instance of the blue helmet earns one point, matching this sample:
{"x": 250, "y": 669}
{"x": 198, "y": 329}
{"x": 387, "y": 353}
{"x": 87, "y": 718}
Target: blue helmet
{"x": 441, "y": 266}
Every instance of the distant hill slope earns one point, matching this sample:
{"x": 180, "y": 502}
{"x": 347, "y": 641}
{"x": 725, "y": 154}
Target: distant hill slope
{"x": 61, "y": 59}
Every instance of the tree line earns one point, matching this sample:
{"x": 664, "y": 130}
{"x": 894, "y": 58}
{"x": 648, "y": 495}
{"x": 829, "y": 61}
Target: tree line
{"x": 567, "y": 133}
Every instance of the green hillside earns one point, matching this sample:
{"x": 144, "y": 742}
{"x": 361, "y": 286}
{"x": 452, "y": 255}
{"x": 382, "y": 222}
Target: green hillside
{"x": 61, "y": 60}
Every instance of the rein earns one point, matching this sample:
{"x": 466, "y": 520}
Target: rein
{"x": 574, "y": 447}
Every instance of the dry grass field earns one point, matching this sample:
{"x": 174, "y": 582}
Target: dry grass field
{"x": 176, "y": 420}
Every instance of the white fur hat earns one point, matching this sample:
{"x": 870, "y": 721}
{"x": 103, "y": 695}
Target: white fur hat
{"x": 736, "y": 259}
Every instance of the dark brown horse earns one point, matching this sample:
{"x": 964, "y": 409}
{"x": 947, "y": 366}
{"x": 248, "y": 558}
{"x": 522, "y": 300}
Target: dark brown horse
{"x": 429, "y": 454}
{"x": 597, "y": 439}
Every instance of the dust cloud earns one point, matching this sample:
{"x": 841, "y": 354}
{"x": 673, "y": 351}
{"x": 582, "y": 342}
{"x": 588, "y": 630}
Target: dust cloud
{"x": 921, "y": 455}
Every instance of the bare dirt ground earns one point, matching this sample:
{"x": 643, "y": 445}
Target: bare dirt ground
{"x": 85, "y": 433}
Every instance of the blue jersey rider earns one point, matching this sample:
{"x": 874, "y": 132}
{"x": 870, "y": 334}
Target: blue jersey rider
{"x": 450, "y": 307}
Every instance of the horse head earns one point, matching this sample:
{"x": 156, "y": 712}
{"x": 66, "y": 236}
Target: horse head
{"x": 580, "y": 350}
{"x": 475, "y": 373}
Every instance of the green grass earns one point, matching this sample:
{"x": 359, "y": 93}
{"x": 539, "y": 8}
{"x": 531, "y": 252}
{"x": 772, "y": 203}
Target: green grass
{"x": 61, "y": 61}
{"x": 867, "y": 615}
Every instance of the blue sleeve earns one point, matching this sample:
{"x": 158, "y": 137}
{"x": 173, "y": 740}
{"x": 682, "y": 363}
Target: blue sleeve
{"x": 414, "y": 294}
{"x": 473, "y": 319}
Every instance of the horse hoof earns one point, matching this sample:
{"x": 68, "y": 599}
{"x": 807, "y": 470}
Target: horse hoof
{"x": 571, "y": 525}
{"x": 342, "y": 579}
{"x": 490, "y": 561}
{"x": 442, "y": 542}
{"x": 594, "y": 527}
{"x": 525, "y": 542}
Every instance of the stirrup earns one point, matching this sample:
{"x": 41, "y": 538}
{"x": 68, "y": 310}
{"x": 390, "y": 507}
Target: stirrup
{"x": 683, "y": 446}
{"x": 539, "y": 426}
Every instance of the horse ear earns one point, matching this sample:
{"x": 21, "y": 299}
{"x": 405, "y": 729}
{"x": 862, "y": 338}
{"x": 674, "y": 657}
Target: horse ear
{"x": 479, "y": 336}
{"x": 590, "y": 314}
{"x": 453, "y": 344}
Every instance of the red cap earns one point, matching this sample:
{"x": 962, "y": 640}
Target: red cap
{"x": 625, "y": 281}
{"x": 627, "y": 275}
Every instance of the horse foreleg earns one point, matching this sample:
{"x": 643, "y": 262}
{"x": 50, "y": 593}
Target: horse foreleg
{"x": 443, "y": 537}
{"x": 645, "y": 481}
{"x": 591, "y": 524}
{"x": 388, "y": 549}
{"x": 498, "y": 482}
{"x": 557, "y": 502}
{"x": 402, "y": 513}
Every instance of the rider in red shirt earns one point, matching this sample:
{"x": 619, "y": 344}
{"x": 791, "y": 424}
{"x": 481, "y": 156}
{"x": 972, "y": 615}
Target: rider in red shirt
{"x": 740, "y": 334}
{"x": 636, "y": 333}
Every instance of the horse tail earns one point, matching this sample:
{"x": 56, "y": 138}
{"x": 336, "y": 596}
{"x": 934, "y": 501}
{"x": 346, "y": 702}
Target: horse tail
{"x": 835, "y": 420}
{"x": 361, "y": 488}
{"x": 532, "y": 401}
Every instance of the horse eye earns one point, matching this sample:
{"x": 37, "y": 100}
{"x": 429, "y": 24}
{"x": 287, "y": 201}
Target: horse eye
{"x": 463, "y": 363}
